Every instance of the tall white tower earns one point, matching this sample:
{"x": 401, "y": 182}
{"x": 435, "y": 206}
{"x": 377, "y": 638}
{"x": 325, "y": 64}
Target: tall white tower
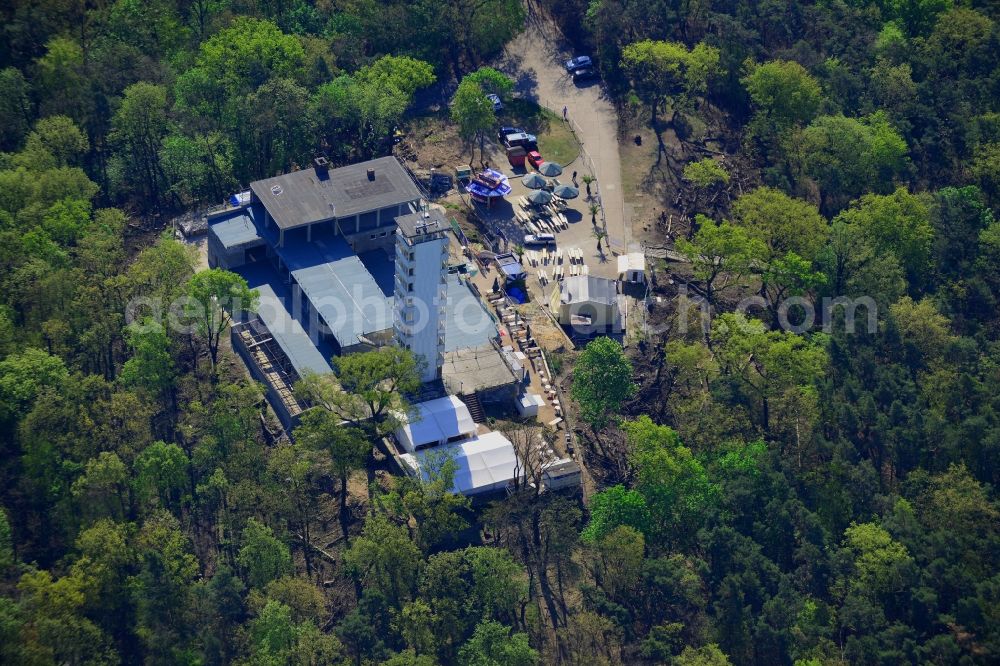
{"x": 421, "y": 289}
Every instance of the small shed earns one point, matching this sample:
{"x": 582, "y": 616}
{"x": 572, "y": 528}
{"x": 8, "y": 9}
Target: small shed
{"x": 560, "y": 474}
{"x": 632, "y": 267}
{"x": 529, "y": 404}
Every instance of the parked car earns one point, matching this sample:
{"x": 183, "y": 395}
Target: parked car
{"x": 535, "y": 158}
{"x": 504, "y": 131}
{"x": 522, "y": 139}
{"x": 578, "y": 62}
{"x": 540, "y": 239}
{"x": 584, "y": 74}
{"x": 495, "y": 99}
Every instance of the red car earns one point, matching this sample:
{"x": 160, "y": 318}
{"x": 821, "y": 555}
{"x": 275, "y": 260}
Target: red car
{"x": 535, "y": 158}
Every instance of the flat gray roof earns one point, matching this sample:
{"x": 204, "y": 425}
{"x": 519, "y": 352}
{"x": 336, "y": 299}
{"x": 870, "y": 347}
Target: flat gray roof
{"x": 236, "y": 228}
{"x": 475, "y": 369}
{"x": 434, "y": 220}
{"x": 467, "y": 322}
{"x": 305, "y": 197}
{"x": 590, "y": 289}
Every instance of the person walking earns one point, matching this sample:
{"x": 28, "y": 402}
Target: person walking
{"x": 565, "y": 112}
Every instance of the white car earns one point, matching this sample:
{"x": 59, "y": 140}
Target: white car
{"x": 540, "y": 239}
{"x": 495, "y": 99}
{"x": 578, "y": 62}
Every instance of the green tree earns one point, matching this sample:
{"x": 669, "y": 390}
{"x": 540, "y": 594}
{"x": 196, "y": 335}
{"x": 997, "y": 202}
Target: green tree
{"x": 162, "y": 590}
{"x": 24, "y": 375}
{"x": 985, "y": 168}
{"x": 417, "y": 627}
{"x": 959, "y": 215}
{"x": 493, "y": 644}
{"x": 15, "y": 108}
{"x": 898, "y": 224}
{"x": 722, "y": 255}
{"x": 673, "y": 482}
{"x": 138, "y": 127}
{"x": 262, "y": 556}
{"x": 280, "y": 127}
{"x": 247, "y": 53}
{"x": 410, "y": 658}
{"x": 348, "y": 448}
{"x": 705, "y": 173}
{"x": 103, "y": 489}
{"x": 707, "y": 655}
{"x": 151, "y": 367}
{"x": 161, "y": 471}
{"x": 368, "y": 389}
{"x": 667, "y": 73}
{"x": 602, "y": 381}
{"x": 215, "y": 296}
{"x": 848, "y": 156}
{"x": 405, "y": 74}
{"x": 613, "y": 508}
{"x": 917, "y": 16}
{"x": 6, "y": 543}
{"x": 470, "y": 109}
{"x": 783, "y": 223}
{"x": 432, "y": 503}
{"x": 767, "y": 364}
{"x": 55, "y": 627}
{"x": 784, "y": 92}
{"x": 56, "y": 141}
{"x": 879, "y": 561}
{"x": 385, "y": 559}
{"x": 498, "y": 585}
{"x": 618, "y": 561}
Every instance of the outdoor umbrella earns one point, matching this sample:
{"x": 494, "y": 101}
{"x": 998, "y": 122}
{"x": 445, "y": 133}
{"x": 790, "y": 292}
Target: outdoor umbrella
{"x": 549, "y": 169}
{"x": 566, "y": 192}
{"x": 534, "y": 181}
{"x": 540, "y": 197}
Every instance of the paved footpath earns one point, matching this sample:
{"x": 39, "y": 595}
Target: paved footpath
{"x": 535, "y": 60}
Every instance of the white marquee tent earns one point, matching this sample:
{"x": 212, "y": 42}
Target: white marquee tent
{"x": 436, "y": 422}
{"x": 484, "y": 464}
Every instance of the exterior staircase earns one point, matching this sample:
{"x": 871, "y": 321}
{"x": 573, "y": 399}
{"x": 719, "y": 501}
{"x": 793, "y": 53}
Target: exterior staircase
{"x": 471, "y": 401}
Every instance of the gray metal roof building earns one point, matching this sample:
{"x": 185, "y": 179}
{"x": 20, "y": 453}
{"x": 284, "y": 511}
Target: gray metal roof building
{"x": 293, "y": 340}
{"x": 589, "y": 289}
{"x": 236, "y": 228}
{"x": 339, "y": 287}
{"x": 315, "y": 195}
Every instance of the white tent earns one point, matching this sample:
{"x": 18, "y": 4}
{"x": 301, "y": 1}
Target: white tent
{"x": 632, "y": 267}
{"x": 436, "y": 422}
{"x": 483, "y": 464}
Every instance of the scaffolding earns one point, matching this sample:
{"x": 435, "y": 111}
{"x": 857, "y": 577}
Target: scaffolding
{"x": 271, "y": 362}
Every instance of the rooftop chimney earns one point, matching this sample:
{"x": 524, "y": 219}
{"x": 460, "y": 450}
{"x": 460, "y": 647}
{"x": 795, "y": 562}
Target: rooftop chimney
{"x": 321, "y": 164}
{"x": 371, "y": 174}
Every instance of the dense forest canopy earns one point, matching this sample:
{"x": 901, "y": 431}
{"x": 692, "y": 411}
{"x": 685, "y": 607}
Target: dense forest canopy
{"x": 760, "y": 493}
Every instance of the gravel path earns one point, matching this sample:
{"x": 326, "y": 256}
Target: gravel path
{"x": 535, "y": 60}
